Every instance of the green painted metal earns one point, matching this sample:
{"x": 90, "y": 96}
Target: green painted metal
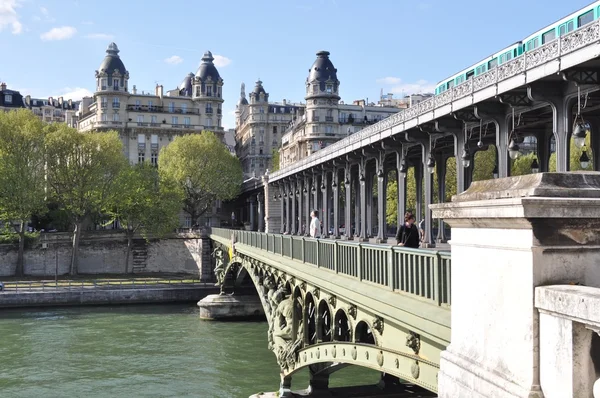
{"x": 422, "y": 273}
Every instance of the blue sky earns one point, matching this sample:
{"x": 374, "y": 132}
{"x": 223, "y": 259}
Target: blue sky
{"x": 52, "y": 48}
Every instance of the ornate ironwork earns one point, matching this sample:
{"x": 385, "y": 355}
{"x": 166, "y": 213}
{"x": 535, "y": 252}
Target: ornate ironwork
{"x": 413, "y": 341}
{"x": 378, "y": 324}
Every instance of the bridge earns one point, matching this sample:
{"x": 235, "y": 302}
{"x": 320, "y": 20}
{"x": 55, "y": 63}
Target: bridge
{"x": 331, "y": 304}
{"x": 340, "y": 300}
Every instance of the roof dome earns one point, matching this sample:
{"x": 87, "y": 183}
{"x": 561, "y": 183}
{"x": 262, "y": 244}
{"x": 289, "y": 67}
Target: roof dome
{"x": 185, "y": 87}
{"x": 112, "y": 61}
{"x": 259, "y": 88}
{"x": 207, "y": 68}
{"x": 242, "y": 100}
{"x": 322, "y": 69}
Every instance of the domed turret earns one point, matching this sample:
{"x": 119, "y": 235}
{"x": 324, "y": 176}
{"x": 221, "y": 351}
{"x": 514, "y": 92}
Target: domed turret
{"x": 112, "y": 62}
{"x": 207, "y": 68}
{"x": 322, "y": 77}
{"x": 185, "y": 88}
{"x": 255, "y": 95}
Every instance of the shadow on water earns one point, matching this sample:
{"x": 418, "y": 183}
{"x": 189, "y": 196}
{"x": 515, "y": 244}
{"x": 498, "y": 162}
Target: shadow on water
{"x": 139, "y": 351}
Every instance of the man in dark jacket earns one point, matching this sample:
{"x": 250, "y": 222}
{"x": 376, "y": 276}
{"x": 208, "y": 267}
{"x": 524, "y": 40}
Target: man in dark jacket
{"x": 408, "y": 234}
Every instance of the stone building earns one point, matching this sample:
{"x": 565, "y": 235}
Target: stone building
{"x": 259, "y": 125}
{"x": 325, "y": 119}
{"x": 148, "y": 122}
{"x": 54, "y": 110}
{"x": 10, "y": 99}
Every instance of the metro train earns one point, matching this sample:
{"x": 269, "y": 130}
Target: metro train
{"x": 567, "y": 24}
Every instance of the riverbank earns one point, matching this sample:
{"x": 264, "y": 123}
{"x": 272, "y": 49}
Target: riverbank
{"x": 105, "y": 291}
{"x": 368, "y": 391}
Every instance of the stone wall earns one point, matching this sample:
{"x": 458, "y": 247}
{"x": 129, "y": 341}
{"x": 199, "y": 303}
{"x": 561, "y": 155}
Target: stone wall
{"x": 103, "y": 252}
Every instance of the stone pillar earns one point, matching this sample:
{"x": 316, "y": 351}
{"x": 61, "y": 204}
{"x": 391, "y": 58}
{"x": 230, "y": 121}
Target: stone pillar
{"x": 348, "y": 204}
{"x": 510, "y": 235}
{"x": 206, "y": 263}
{"x": 261, "y": 213}
{"x": 293, "y": 218}
{"x": 326, "y": 192}
{"x": 336, "y": 203}
{"x": 381, "y": 199}
{"x": 363, "y": 202}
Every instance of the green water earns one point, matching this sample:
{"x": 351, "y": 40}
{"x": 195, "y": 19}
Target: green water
{"x": 139, "y": 351}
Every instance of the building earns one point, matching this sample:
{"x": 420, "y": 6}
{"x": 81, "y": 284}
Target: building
{"x": 325, "y": 119}
{"x": 148, "y": 122}
{"x": 407, "y": 101}
{"x": 259, "y": 125}
{"x": 54, "y": 110}
{"x": 10, "y": 99}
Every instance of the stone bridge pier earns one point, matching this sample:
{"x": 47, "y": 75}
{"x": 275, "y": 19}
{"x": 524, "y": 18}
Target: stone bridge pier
{"x": 512, "y": 335}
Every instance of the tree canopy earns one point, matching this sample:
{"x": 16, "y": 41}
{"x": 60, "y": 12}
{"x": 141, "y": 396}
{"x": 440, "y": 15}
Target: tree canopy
{"x": 81, "y": 174}
{"x": 203, "y": 168}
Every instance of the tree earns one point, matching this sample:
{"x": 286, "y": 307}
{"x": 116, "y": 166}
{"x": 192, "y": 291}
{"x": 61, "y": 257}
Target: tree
{"x": 274, "y": 160}
{"x": 81, "y": 174}
{"x": 22, "y": 177}
{"x": 203, "y": 168}
{"x": 485, "y": 162}
{"x": 145, "y": 203}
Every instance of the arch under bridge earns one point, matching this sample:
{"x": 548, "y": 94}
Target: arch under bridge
{"x": 330, "y": 304}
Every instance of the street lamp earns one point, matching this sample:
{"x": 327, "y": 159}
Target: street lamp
{"x": 403, "y": 168}
{"x": 513, "y": 148}
{"x": 466, "y": 156}
{"x": 495, "y": 171}
{"x": 431, "y": 164}
{"x": 362, "y": 179}
{"x": 584, "y": 160}
{"x": 580, "y": 127}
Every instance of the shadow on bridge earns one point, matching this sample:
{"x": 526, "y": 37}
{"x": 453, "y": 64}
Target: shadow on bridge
{"x": 329, "y": 302}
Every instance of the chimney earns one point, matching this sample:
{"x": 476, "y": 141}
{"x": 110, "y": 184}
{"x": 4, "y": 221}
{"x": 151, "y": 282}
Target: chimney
{"x": 159, "y": 91}
{"x": 70, "y": 103}
{"x": 284, "y": 101}
{"x": 134, "y": 90}
{"x": 60, "y": 101}
{"x": 28, "y": 100}
{"x": 2, "y": 86}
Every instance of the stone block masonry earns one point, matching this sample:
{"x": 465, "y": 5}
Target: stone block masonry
{"x": 103, "y": 252}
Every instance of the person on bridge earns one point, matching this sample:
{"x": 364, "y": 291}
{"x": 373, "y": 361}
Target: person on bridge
{"x": 315, "y": 224}
{"x": 408, "y": 234}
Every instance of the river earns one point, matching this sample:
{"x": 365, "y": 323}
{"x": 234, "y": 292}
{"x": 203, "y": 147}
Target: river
{"x": 139, "y": 351}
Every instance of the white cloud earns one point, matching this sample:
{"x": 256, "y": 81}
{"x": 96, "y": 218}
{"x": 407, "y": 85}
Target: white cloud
{"x": 44, "y": 10}
{"x": 62, "y": 33}
{"x": 9, "y": 17}
{"x": 99, "y": 36}
{"x": 174, "y": 60}
{"x": 395, "y": 85}
{"x": 221, "y": 61}
{"x": 74, "y": 93}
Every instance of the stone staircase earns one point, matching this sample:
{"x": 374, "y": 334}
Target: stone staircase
{"x": 139, "y": 251}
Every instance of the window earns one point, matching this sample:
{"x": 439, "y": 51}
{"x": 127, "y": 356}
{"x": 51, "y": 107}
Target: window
{"x": 585, "y": 19}
{"x": 174, "y": 120}
{"x": 262, "y": 110}
{"x": 104, "y": 117}
{"x": 141, "y": 157}
{"x": 329, "y": 130}
{"x": 103, "y": 84}
{"x": 209, "y": 91}
{"x": 218, "y": 122}
{"x": 171, "y": 107}
{"x": 315, "y": 129}
{"x": 209, "y": 108}
{"x": 137, "y": 104}
{"x": 186, "y": 121}
{"x": 154, "y": 158}
{"x": 140, "y": 119}
{"x": 208, "y": 122}
{"x": 274, "y": 130}
{"x": 116, "y": 84}
{"x": 197, "y": 91}
{"x": 531, "y": 44}
{"x": 492, "y": 64}
{"x": 8, "y": 98}
{"x": 141, "y": 139}
{"x": 153, "y": 119}
{"x": 315, "y": 88}
{"x": 188, "y": 222}
{"x": 150, "y": 105}
{"x": 548, "y": 36}
{"x": 116, "y": 103}
{"x": 329, "y": 89}
{"x": 183, "y": 108}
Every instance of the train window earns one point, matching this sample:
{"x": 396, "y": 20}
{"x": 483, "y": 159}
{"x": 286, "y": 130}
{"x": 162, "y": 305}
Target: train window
{"x": 450, "y": 84}
{"x": 509, "y": 55}
{"x": 470, "y": 74}
{"x": 569, "y": 26}
{"x": 533, "y": 43}
{"x": 586, "y": 18}
{"x": 492, "y": 64}
{"x": 562, "y": 29}
{"x": 549, "y": 36}
{"x": 460, "y": 79}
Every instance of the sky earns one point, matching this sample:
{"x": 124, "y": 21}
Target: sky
{"x": 52, "y": 48}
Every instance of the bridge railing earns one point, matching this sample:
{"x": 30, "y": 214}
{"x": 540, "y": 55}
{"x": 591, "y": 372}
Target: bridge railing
{"x": 420, "y": 273}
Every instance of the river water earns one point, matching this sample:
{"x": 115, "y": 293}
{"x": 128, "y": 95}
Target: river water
{"x": 139, "y": 351}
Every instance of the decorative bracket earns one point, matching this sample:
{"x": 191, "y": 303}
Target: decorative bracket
{"x": 316, "y": 292}
{"x": 352, "y": 311}
{"x": 332, "y": 301}
{"x": 378, "y": 324}
{"x": 413, "y": 341}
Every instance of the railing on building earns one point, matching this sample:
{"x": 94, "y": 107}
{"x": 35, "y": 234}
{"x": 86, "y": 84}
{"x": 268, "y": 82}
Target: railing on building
{"x": 421, "y": 273}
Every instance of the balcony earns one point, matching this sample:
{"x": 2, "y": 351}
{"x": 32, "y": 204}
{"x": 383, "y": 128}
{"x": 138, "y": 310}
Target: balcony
{"x": 329, "y": 118}
{"x": 154, "y": 147}
{"x": 142, "y": 124}
{"x": 187, "y": 126}
{"x": 176, "y": 126}
{"x": 116, "y": 106}
{"x": 315, "y": 119}
{"x": 208, "y": 110}
{"x": 116, "y": 123}
{"x": 141, "y": 147}
{"x": 162, "y": 109}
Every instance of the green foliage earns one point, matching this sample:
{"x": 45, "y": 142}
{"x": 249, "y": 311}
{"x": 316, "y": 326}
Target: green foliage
{"x": 22, "y": 176}
{"x": 145, "y": 202}
{"x": 81, "y": 174}
{"x": 203, "y": 168}
{"x": 274, "y": 160}
{"x": 522, "y": 165}
{"x": 485, "y": 161}
{"x": 13, "y": 238}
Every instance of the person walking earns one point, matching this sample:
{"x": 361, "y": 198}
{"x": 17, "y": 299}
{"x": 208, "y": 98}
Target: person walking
{"x": 315, "y": 224}
{"x": 408, "y": 234}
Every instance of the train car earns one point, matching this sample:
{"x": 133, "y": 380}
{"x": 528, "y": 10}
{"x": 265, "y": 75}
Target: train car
{"x": 489, "y": 63}
{"x": 563, "y": 26}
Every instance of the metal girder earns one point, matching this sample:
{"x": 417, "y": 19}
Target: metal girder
{"x": 515, "y": 99}
{"x": 582, "y": 76}
{"x": 465, "y": 115}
